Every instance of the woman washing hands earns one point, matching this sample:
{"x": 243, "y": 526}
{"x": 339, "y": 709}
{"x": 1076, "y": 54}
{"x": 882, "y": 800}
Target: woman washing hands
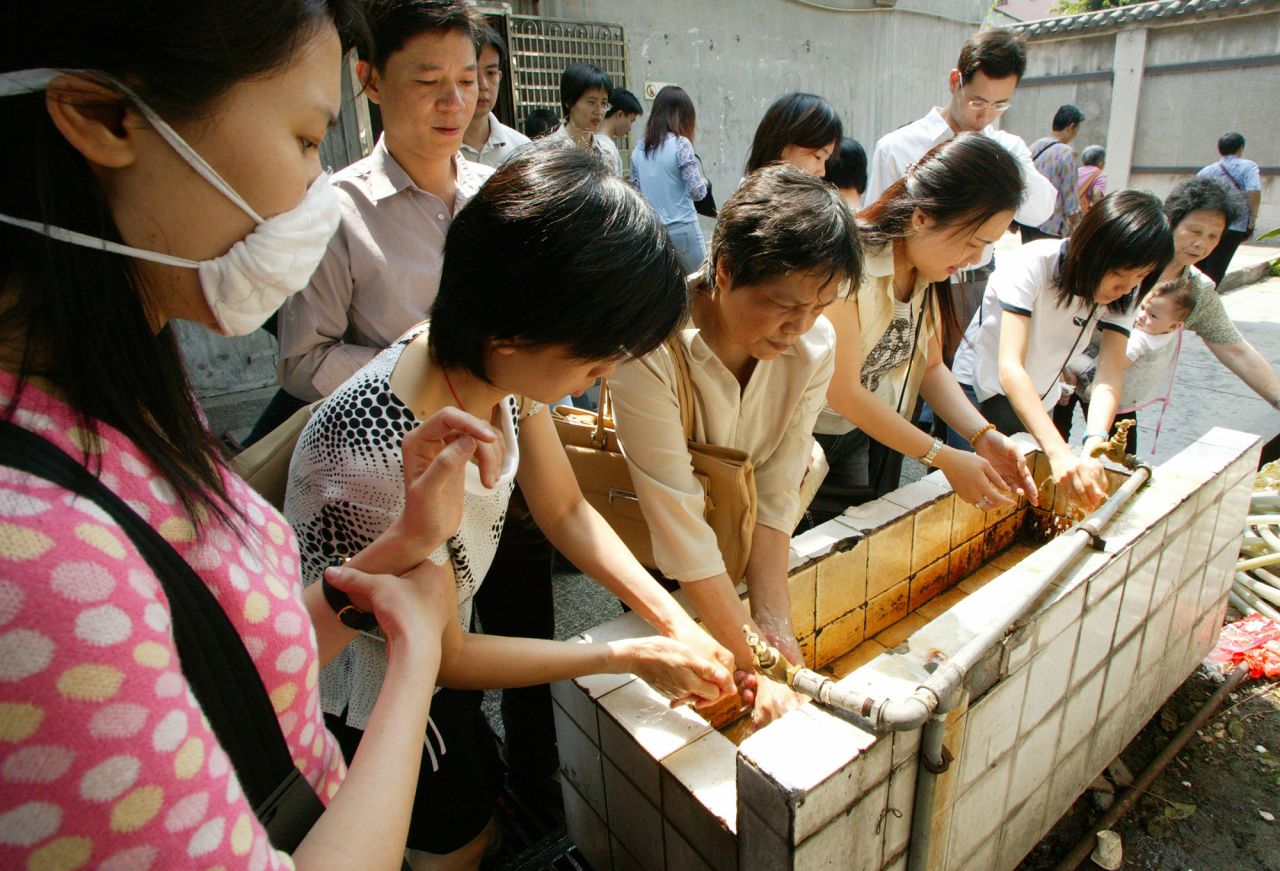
{"x": 1040, "y": 308}
{"x": 939, "y": 218}
{"x": 759, "y": 356}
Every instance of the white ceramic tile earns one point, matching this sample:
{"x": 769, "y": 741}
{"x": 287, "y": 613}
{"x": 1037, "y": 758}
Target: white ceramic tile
{"x": 1218, "y": 575}
{"x": 1136, "y": 603}
{"x": 623, "y": 860}
{"x": 992, "y": 729}
{"x": 579, "y": 760}
{"x": 819, "y": 541}
{"x": 1034, "y": 757}
{"x": 700, "y": 796}
{"x": 638, "y": 728}
{"x": 633, "y": 819}
{"x": 871, "y": 515}
{"x": 1023, "y": 829}
{"x": 979, "y": 810}
{"x": 587, "y": 830}
{"x": 1108, "y": 741}
{"x": 1047, "y": 682}
{"x": 850, "y": 841}
{"x": 1166, "y": 578}
{"x": 1062, "y": 609}
{"x": 983, "y": 856}
{"x": 916, "y": 494}
{"x": 1231, "y": 516}
{"x": 578, "y": 706}
{"x": 1096, "y": 631}
{"x": 1081, "y": 712}
{"x": 897, "y": 818}
{"x": 906, "y": 747}
{"x": 1108, "y": 577}
{"x": 629, "y": 625}
{"x": 1155, "y": 640}
{"x": 813, "y": 787}
{"x": 1069, "y": 779}
{"x": 762, "y": 799}
{"x": 1152, "y": 542}
{"x": 759, "y": 846}
{"x": 1121, "y": 671}
{"x": 1224, "y": 437}
{"x": 680, "y": 854}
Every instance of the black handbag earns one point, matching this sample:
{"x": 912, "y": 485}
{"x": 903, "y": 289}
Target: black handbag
{"x": 707, "y": 205}
{"x": 213, "y": 657}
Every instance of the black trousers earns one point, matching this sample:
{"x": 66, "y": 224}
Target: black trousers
{"x": 516, "y": 600}
{"x": 1215, "y": 265}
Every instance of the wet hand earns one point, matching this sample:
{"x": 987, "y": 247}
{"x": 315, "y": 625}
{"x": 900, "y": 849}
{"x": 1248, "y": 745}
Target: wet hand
{"x": 1009, "y": 463}
{"x": 702, "y": 644}
{"x": 1082, "y": 480}
{"x": 771, "y": 700}
{"x": 974, "y": 479}
{"x": 671, "y": 668}
{"x": 435, "y": 457}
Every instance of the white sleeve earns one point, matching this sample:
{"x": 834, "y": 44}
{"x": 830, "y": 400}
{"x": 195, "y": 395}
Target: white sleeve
{"x": 884, "y": 170}
{"x": 1017, "y": 281}
{"x": 1040, "y": 195}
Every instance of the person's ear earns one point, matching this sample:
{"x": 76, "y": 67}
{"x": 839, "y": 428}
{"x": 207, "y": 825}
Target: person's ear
{"x": 920, "y": 221}
{"x": 95, "y": 119}
{"x": 723, "y": 278}
{"x": 369, "y": 80}
{"x": 953, "y": 80}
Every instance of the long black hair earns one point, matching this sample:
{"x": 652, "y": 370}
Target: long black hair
{"x": 1124, "y": 230}
{"x": 80, "y": 316}
{"x": 805, "y": 120}
{"x": 574, "y": 238}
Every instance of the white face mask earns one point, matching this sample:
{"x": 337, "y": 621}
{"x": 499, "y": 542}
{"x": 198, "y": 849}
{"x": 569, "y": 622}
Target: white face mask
{"x": 247, "y": 284}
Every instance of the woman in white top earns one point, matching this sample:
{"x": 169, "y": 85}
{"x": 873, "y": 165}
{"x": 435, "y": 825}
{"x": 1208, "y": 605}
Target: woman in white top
{"x": 573, "y": 236}
{"x": 584, "y": 98}
{"x": 1038, "y": 312}
{"x": 937, "y": 219}
{"x": 760, "y": 358}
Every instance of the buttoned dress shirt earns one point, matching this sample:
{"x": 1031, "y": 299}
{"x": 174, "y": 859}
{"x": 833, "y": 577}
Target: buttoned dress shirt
{"x": 501, "y": 144}
{"x": 378, "y": 278}
{"x": 771, "y": 419}
{"x": 902, "y": 147}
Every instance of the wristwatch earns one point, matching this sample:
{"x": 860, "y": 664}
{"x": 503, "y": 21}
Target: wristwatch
{"x": 927, "y": 459}
{"x": 350, "y": 616}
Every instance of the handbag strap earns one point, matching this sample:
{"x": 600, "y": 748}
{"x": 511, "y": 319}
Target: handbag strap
{"x": 213, "y": 657}
{"x": 1223, "y": 166}
{"x": 684, "y": 387}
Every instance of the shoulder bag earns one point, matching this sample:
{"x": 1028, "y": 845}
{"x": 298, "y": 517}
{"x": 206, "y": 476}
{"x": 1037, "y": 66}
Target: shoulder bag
{"x": 726, "y": 475}
{"x": 264, "y": 465}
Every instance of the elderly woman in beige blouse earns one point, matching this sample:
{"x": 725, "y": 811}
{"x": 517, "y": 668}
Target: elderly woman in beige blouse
{"x": 760, "y": 357}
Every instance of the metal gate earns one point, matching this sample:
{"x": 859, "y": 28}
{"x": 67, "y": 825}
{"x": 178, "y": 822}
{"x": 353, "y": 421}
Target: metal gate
{"x": 541, "y": 48}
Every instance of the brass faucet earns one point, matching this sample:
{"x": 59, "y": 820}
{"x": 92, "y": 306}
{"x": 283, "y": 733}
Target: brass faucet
{"x": 1114, "y": 448}
{"x": 771, "y": 663}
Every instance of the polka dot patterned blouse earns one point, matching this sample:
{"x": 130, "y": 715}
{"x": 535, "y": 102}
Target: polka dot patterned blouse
{"x": 346, "y": 487}
{"x": 106, "y": 760}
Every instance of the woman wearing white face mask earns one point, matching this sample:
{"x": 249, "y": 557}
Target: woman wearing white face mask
{"x": 158, "y": 662}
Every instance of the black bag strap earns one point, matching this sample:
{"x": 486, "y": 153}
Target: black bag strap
{"x": 213, "y": 657}
{"x": 1222, "y": 166}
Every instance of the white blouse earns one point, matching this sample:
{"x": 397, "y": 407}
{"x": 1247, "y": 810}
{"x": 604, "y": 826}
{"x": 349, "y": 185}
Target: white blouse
{"x": 771, "y": 419}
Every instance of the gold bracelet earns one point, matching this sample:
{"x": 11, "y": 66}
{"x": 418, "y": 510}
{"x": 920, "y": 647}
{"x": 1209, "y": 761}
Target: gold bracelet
{"x": 973, "y": 439}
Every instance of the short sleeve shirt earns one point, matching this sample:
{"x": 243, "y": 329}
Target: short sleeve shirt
{"x": 1025, "y": 283}
{"x": 1238, "y": 176}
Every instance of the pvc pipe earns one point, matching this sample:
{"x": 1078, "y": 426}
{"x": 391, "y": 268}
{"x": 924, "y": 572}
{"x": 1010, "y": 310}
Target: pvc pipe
{"x": 1270, "y": 559}
{"x": 1264, "y": 591}
{"x": 1084, "y": 847}
{"x": 1256, "y": 604}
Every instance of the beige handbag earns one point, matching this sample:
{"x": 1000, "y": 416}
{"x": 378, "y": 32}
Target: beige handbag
{"x": 265, "y": 463}
{"x": 726, "y": 475}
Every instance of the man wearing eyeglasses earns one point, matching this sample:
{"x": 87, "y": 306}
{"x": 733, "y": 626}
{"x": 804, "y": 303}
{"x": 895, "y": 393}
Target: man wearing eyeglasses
{"x": 991, "y": 63}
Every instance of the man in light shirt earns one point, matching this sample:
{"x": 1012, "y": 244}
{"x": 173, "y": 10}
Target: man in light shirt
{"x": 624, "y": 109}
{"x": 487, "y": 139}
{"x": 991, "y": 63}
{"x": 381, "y": 272}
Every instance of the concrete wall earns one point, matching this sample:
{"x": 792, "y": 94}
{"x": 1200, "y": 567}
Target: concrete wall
{"x": 880, "y": 69}
{"x": 1162, "y": 122}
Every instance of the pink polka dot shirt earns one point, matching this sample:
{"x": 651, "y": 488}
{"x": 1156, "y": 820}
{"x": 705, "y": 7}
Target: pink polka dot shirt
{"x": 106, "y": 760}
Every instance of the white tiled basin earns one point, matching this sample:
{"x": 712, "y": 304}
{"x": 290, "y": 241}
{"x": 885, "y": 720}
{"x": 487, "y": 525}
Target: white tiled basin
{"x": 873, "y": 592}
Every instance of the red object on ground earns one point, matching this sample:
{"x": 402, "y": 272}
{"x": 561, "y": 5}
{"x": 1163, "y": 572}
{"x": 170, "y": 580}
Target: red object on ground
{"x": 1254, "y": 641}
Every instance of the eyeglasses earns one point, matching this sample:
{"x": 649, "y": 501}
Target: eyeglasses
{"x": 978, "y": 104}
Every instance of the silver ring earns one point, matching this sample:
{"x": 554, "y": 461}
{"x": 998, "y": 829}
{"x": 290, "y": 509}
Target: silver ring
{"x": 981, "y": 503}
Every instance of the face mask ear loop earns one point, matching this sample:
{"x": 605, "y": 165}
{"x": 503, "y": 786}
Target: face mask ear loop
{"x": 198, "y": 163}
{"x": 27, "y": 81}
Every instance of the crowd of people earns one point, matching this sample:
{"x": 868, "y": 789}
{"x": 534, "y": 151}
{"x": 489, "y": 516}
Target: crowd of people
{"x": 195, "y": 676}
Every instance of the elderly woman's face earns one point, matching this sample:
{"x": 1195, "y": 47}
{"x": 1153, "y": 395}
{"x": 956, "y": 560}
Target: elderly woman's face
{"x": 1196, "y": 235}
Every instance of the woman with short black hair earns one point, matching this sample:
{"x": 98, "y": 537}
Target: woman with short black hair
{"x": 1040, "y": 308}
{"x": 573, "y": 237}
{"x": 759, "y": 357}
{"x": 800, "y": 129}
{"x": 584, "y": 100}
